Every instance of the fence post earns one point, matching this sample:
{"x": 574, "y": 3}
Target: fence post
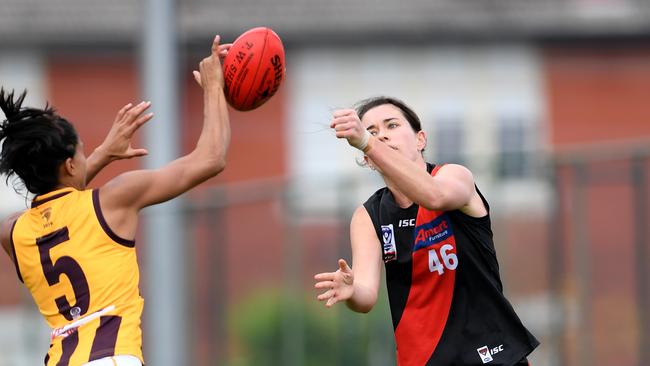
{"x": 583, "y": 262}
{"x": 557, "y": 271}
{"x": 640, "y": 182}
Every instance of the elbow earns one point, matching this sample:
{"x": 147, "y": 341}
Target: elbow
{"x": 220, "y": 165}
{"x": 214, "y": 163}
{"x": 365, "y": 309}
{"x": 433, "y": 201}
{"x": 210, "y": 161}
{"x": 208, "y": 169}
{"x": 216, "y": 166}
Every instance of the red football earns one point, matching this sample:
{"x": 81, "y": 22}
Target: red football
{"x": 253, "y": 69}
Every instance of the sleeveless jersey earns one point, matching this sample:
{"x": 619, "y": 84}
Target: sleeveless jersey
{"x": 445, "y": 293}
{"x": 82, "y": 276}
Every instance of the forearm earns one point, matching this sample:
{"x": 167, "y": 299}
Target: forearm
{"x": 411, "y": 178}
{"x": 215, "y": 136}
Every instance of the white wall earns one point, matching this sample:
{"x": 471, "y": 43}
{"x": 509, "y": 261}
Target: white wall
{"x": 20, "y": 70}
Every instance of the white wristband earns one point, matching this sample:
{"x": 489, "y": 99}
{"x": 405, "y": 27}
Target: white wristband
{"x": 364, "y": 141}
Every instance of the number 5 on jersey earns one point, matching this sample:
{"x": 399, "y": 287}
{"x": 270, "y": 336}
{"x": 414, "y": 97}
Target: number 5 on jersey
{"x": 449, "y": 259}
{"x": 65, "y": 265}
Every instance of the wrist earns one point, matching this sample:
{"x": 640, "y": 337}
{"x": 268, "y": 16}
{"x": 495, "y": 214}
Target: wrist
{"x": 213, "y": 94}
{"x": 213, "y": 88}
{"x": 102, "y": 155}
{"x": 364, "y": 145}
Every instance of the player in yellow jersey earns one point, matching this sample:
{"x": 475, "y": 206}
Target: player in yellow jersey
{"x": 74, "y": 247}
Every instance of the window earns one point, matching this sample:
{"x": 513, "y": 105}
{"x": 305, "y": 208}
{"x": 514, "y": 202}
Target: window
{"x": 515, "y": 154}
{"x": 449, "y": 140}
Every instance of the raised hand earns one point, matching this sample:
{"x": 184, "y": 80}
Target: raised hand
{"x": 339, "y": 285}
{"x": 347, "y": 125}
{"x": 117, "y": 144}
{"x": 210, "y": 70}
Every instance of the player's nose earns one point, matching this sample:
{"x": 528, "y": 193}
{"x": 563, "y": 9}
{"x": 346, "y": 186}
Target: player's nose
{"x": 382, "y": 134}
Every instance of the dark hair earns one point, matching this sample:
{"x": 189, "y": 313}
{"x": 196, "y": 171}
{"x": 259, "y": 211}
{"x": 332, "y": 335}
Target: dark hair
{"x": 35, "y": 143}
{"x": 365, "y": 105}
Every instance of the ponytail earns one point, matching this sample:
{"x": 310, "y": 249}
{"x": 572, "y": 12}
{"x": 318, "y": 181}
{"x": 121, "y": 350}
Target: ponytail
{"x": 34, "y": 143}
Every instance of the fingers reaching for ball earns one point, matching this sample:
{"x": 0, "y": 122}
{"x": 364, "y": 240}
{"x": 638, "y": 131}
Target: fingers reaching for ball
{"x": 218, "y": 49}
{"x": 215, "y": 45}
{"x": 223, "y": 50}
{"x": 210, "y": 72}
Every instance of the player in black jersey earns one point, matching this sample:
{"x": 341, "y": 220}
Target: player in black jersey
{"x": 430, "y": 226}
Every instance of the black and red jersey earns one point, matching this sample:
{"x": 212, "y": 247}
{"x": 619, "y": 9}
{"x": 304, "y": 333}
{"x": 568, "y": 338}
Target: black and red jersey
{"x": 445, "y": 293}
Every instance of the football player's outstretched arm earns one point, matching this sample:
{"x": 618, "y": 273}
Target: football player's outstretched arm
{"x": 122, "y": 198}
{"x": 357, "y": 288}
{"x": 117, "y": 144}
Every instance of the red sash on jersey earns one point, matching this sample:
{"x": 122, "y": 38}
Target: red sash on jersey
{"x": 432, "y": 288}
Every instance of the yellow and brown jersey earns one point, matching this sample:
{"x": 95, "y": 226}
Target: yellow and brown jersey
{"x": 83, "y": 277}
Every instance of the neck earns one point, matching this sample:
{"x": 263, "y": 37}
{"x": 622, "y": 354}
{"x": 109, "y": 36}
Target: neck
{"x": 400, "y": 198}
{"x": 74, "y": 185}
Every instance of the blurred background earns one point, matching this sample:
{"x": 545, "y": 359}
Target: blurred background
{"x": 546, "y": 101}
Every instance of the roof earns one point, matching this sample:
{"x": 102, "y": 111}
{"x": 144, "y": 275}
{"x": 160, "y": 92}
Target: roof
{"x": 317, "y": 21}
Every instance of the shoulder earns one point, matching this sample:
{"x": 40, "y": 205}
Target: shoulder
{"x": 123, "y": 190}
{"x": 455, "y": 176}
{"x": 360, "y": 212}
{"x": 361, "y": 221}
{"x": 454, "y": 171}
{"x": 461, "y": 177}
{"x": 5, "y": 231}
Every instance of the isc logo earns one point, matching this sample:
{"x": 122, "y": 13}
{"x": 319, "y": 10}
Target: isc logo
{"x": 406, "y": 222}
{"x": 486, "y": 354}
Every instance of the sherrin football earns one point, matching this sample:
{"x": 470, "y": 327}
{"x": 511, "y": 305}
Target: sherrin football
{"x": 253, "y": 69}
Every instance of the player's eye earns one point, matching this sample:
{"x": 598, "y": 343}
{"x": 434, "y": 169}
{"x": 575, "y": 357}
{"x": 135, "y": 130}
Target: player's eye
{"x": 373, "y": 132}
{"x": 393, "y": 125}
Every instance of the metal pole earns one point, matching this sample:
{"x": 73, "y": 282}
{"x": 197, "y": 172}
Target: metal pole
{"x": 165, "y": 308}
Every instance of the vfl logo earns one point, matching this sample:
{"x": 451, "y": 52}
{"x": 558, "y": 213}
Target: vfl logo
{"x": 486, "y": 354}
{"x": 388, "y": 238}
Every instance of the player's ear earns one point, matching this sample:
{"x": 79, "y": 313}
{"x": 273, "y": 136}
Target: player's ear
{"x": 421, "y": 137}
{"x": 68, "y": 167}
{"x": 368, "y": 163}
